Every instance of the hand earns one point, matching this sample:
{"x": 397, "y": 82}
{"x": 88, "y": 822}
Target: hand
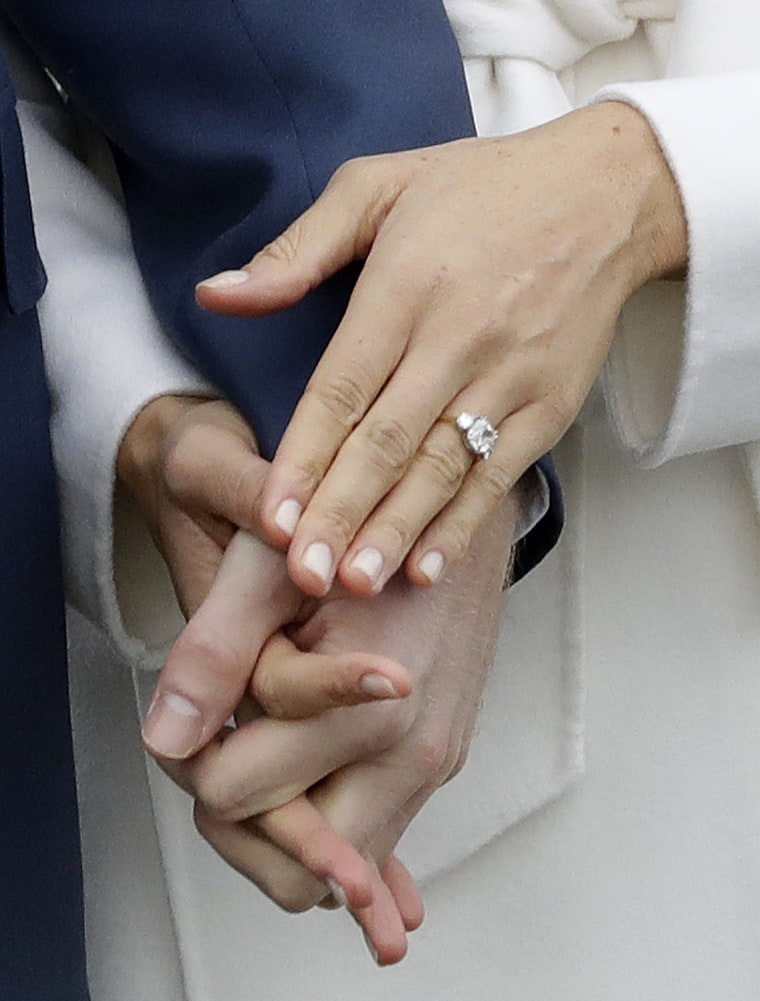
{"x": 495, "y": 272}
{"x": 303, "y": 859}
{"x": 194, "y": 471}
{"x": 370, "y": 768}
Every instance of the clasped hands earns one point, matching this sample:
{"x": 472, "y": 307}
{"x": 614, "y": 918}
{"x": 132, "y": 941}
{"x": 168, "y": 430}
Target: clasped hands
{"x": 369, "y": 705}
{"x": 494, "y": 272}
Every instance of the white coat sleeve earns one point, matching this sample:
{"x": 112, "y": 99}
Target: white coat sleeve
{"x": 106, "y": 358}
{"x": 683, "y": 375}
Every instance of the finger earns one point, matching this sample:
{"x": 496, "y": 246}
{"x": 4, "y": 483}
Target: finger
{"x": 285, "y": 879}
{"x": 356, "y": 364}
{"x": 290, "y": 684}
{"x": 215, "y": 469}
{"x": 405, "y": 893}
{"x": 382, "y": 925}
{"x": 371, "y": 806}
{"x": 403, "y": 889}
{"x": 290, "y": 757}
{"x": 369, "y": 462}
{"x": 523, "y": 438}
{"x": 337, "y": 229}
{"x": 432, "y": 479}
{"x": 209, "y": 666}
{"x": 256, "y": 858}
{"x": 306, "y": 836}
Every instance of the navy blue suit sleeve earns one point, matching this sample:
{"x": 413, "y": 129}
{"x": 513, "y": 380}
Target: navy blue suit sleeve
{"x": 41, "y": 919}
{"x": 227, "y": 119}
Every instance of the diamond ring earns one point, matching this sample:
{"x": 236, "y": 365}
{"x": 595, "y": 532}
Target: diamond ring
{"x": 478, "y": 434}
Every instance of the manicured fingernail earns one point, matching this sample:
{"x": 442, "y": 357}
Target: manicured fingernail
{"x": 378, "y": 687}
{"x": 319, "y": 559}
{"x": 287, "y": 515}
{"x": 225, "y": 279}
{"x": 173, "y": 727}
{"x": 431, "y": 565}
{"x": 337, "y": 891}
{"x": 369, "y": 562}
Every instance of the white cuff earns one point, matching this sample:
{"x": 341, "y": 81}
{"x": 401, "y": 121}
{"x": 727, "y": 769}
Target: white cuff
{"x": 683, "y": 375}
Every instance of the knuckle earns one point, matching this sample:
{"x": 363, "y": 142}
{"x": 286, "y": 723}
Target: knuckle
{"x": 397, "y": 530}
{"x": 555, "y": 416}
{"x": 391, "y": 445}
{"x": 347, "y": 171}
{"x": 221, "y": 802}
{"x": 356, "y": 172}
{"x": 308, "y": 472}
{"x": 223, "y": 663}
{"x": 270, "y": 694}
{"x": 283, "y": 250}
{"x": 388, "y": 726}
{"x": 459, "y": 763}
{"x": 340, "y": 519}
{"x": 296, "y": 893}
{"x": 447, "y": 465}
{"x": 458, "y": 535}
{"x": 431, "y": 757}
{"x": 246, "y": 488}
{"x": 345, "y": 397}
{"x": 183, "y": 462}
{"x": 495, "y": 482}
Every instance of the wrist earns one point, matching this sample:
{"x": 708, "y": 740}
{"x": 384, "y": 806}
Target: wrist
{"x": 657, "y": 245}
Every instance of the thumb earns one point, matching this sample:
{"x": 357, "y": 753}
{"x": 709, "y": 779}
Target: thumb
{"x": 337, "y": 229}
{"x": 210, "y": 665}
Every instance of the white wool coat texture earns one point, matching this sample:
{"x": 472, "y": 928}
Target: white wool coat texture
{"x": 602, "y": 841}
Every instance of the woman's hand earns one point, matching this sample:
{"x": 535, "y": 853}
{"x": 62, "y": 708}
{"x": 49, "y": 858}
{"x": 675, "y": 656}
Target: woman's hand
{"x": 495, "y": 272}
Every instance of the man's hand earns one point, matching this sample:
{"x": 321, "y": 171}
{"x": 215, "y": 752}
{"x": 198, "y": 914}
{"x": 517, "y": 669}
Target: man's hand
{"x": 367, "y": 769}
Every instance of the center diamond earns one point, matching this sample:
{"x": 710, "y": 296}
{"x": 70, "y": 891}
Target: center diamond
{"x": 479, "y": 434}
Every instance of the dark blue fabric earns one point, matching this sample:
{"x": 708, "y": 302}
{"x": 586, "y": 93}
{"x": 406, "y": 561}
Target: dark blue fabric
{"x": 227, "y": 118}
{"x": 41, "y": 928}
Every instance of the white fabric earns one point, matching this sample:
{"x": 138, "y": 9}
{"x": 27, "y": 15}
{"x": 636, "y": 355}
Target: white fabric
{"x": 105, "y": 355}
{"x": 642, "y": 881}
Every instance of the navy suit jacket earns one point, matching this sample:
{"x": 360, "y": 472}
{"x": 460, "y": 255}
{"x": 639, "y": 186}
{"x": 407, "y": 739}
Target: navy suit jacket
{"x": 226, "y": 120}
{"x": 41, "y": 938}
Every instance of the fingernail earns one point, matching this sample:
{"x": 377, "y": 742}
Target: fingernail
{"x": 378, "y": 687}
{"x": 369, "y": 562}
{"x": 319, "y": 559}
{"x": 337, "y": 891}
{"x": 431, "y": 565}
{"x": 287, "y": 515}
{"x": 225, "y": 279}
{"x": 173, "y": 727}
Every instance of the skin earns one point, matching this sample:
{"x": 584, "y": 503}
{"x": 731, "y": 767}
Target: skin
{"x": 495, "y": 271}
{"x": 307, "y": 818}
